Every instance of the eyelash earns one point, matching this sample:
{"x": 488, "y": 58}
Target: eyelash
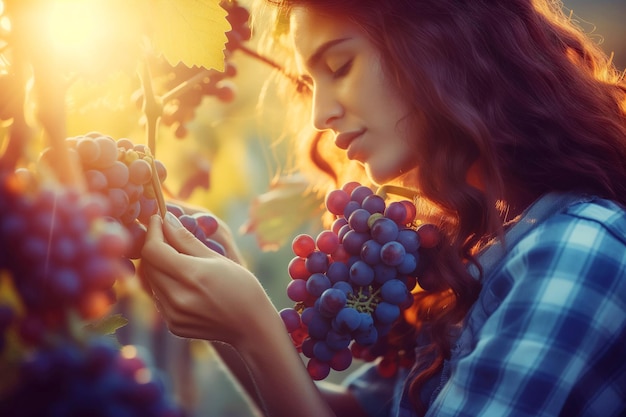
{"x": 343, "y": 70}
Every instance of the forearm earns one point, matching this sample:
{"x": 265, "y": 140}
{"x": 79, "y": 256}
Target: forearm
{"x": 340, "y": 400}
{"x": 279, "y": 375}
{"x": 239, "y": 371}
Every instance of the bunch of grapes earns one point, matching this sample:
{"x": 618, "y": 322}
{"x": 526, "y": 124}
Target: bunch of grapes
{"x": 352, "y": 282}
{"x": 95, "y": 379}
{"x": 238, "y": 17}
{"x": 202, "y": 225}
{"x": 180, "y": 110}
{"x": 60, "y": 251}
{"x": 123, "y": 173}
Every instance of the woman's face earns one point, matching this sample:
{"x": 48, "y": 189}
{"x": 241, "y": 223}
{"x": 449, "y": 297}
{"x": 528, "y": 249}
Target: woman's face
{"x": 351, "y": 95}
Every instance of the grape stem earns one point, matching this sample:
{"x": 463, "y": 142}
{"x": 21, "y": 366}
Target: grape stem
{"x": 254, "y": 54}
{"x": 156, "y": 185}
{"x": 397, "y": 190}
{"x": 152, "y": 107}
{"x": 185, "y": 86}
{"x": 365, "y": 300}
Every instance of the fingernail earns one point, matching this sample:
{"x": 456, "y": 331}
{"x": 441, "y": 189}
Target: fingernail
{"x": 172, "y": 220}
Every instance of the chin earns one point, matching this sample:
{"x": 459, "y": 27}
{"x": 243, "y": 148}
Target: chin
{"x": 379, "y": 177}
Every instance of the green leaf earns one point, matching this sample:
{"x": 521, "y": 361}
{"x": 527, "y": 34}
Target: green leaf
{"x": 107, "y": 325}
{"x": 276, "y": 215}
{"x": 190, "y": 31}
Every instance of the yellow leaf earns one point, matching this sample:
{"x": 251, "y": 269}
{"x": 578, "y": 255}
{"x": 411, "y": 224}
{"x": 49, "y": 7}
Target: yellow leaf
{"x": 276, "y": 215}
{"x": 190, "y": 31}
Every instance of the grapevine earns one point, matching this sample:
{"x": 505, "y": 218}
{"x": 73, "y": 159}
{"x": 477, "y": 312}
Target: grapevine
{"x": 351, "y": 283}
{"x": 73, "y": 220}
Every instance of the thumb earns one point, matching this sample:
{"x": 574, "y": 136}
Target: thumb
{"x": 182, "y": 239}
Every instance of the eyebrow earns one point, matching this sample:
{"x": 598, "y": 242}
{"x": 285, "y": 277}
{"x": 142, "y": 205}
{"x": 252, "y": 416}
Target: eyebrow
{"x": 315, "y": 57}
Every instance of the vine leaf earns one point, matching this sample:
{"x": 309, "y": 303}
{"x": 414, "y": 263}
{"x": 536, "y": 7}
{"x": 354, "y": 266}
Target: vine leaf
{"x": 107, "y": 325}
{"x": 275, "y": 216}
{"x": 190, "y": 31}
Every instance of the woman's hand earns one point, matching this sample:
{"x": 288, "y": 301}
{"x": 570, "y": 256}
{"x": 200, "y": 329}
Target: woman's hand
{"x": 200, "y": 293}
{"x": 223, "y": 235}
{"x": 204, "y": 295}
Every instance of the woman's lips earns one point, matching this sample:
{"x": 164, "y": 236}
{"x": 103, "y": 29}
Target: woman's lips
{"x": 343, "y": 140}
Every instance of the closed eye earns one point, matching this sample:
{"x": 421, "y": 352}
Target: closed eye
{"x": 343, "y": 70}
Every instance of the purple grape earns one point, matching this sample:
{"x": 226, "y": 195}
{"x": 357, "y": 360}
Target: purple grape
{"x": 394, "y": 292}
{"x": 361, "y": 274}
{"x": 317, "y": 284}
{"x": 322, "y": 351}
{"x": 392, "y": 253}
{"x": 350, "y": 208}
{"x": 337, "y": 272}
{"x": 336, "y": 201}
{"x": 296, "y": 290}
{"x": 370, "y": 252}
{"x": 347, "y": 320}
{"x": 332, "y": 301}
{"x": 291, "y": 318}
{"x": 386, "y": 312}
{"x": 374, "y": 204}
{"x": 360, "y": 192}
{"x": 384, "y": 230}
{"x": 344, "y": 286}
{"x": 358, "y": 220}
{"x": 317, "y": 262}
{"x": 396, "y": 211}
{"x": 353, "y": 241}
{"x": 341, "y": 360}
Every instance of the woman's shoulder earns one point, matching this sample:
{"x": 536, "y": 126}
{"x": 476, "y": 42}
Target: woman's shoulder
{"x": 584, "y": 243}
{"x": 606, "y": 214}
{"x": 591, "y": 222}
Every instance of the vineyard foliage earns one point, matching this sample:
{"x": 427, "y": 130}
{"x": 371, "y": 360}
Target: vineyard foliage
{"x": 154, "y": 82}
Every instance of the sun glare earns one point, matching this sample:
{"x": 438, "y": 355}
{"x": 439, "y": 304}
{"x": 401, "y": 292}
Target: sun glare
{"x": 73, "y": 25}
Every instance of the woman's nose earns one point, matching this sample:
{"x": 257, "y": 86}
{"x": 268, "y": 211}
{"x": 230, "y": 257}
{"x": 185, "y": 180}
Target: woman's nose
{"x": 326, "y": 109}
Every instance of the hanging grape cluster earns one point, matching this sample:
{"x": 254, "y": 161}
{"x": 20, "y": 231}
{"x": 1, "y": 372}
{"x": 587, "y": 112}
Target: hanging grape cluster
{"x": 60, "y": 253}
{"x": 352, "y": 282}
{"x": 122, "y": 173}
{"x": 96, "y": 379}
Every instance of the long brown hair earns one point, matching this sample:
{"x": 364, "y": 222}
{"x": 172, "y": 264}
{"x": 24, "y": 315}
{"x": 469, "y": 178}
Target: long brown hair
{"x": 514, "y": 85}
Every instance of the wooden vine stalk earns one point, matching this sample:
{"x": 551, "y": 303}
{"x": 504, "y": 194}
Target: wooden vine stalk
{"x": 153, "y": 110}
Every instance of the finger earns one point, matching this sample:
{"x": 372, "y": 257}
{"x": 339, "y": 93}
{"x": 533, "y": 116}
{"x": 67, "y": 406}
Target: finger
{"x": 165, "y": 285}
{"x": 183, "y": 240}
{"x": 162, "y": 261}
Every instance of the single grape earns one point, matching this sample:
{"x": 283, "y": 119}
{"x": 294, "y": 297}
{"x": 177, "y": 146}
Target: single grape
{"x": 140, "y": 172}
{"x": 336, "y": 201}
{"x": 317, "y": 284}
{"x": 318, "y": 369}
{"x": 392, "y": 253}
{"x": 297, "y": 268}
{"x": 374, "y": 204}
{"x": 394, "y": 292}
{"x": 317, "y": 262}
{"x": 327, "y": 241}
{"x": 303, "y": 245}
{"x": 291, "y": 318}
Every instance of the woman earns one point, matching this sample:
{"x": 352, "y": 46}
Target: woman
{"x": 512, "y": 125}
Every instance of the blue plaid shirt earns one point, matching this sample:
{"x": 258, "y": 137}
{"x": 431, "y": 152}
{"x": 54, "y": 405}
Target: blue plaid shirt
{"x": 547, "y": 336}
